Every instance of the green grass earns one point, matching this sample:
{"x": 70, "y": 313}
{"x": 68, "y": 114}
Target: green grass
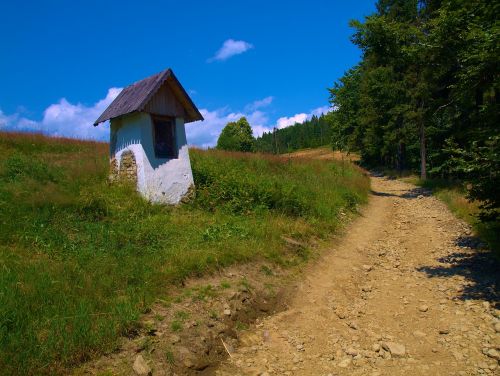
{"x": 81, "y": 260}
{"x": 454, "y": 195}
{"x": 169, "y": 356}
{"x": 176, "y": 326}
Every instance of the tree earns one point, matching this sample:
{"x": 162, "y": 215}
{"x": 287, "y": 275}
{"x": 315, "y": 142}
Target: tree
{"x": 237, "y": 136}
{"x": 428, "y": 79}
{"x": 344, "y": 97}
{"x": 314, "y": 132}
{"x": 480, "y": 167}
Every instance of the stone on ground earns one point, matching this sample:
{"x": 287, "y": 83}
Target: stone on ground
{"x": 396, "y": 349}
{"x": 140, "y": 367}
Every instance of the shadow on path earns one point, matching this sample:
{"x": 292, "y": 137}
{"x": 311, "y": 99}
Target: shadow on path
{"x": 476, "y": 264}
{"x": 409, "y": 194}
{"x": 471, "y": 260}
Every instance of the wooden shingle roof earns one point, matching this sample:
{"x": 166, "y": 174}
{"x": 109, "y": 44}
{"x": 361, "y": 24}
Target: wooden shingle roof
{"x": 135, "y": 97}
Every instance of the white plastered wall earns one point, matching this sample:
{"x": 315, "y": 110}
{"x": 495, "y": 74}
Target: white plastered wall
{"x": 160, "y": 180}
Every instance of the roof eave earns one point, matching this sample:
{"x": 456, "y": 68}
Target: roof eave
{"x": 198, "y": 115}
{"x": 192, "y": 112}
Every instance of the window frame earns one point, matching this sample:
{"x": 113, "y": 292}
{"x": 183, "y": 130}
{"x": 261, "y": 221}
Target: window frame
{"x": 155, "y": 119}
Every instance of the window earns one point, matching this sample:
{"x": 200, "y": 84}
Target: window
{"x": 164, "y": 138}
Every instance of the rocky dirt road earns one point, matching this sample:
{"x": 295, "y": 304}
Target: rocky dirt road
{"x": 406, "y": 292}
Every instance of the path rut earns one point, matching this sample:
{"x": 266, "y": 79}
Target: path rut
{"x": 407, "y": 291}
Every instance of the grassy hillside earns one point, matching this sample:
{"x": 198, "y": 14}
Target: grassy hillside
{"x": 80, "y": 260}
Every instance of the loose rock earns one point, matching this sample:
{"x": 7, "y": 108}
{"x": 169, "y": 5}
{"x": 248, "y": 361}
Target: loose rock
{"x": 423, "y": 308}
{"x": 492, "y": 353}
{"x": 140, "y": 366}
{"x": 345, "y": 363}
{"x": 419, "y": 334}
{"x": 352, "y": 352}
{"x": 394, "y": 348}
{"x": 353, "y": 325}
{"x": 174, "y": 338}
{"x": 497, "y": 327}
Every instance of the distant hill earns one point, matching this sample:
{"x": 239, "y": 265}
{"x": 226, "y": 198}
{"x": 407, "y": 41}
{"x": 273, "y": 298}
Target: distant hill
{"x": 309, "y": 134}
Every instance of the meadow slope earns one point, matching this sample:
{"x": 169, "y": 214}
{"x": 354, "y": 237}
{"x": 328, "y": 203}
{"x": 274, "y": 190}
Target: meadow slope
{"x": 82, "y": 260}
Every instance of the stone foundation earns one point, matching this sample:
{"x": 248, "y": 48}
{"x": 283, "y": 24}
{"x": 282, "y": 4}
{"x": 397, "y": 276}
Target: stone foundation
{"x": 126, "y": 171}
{"x": 113, "y": 170}
{"x": 128, "y": 167}
{"x": 190, "y": 195}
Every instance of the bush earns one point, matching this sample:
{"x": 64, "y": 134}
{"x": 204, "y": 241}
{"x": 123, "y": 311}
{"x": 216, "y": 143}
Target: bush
{"x": 242, "y": 184}
{"x": 237, "y": 136}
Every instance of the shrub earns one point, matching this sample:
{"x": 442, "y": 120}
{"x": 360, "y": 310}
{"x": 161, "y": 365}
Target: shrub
{"x": 242, "y": 183}
{"x": 237, "y": 136}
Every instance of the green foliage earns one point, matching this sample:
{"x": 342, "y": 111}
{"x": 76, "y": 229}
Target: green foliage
{"x": 480, "y": 168}
{"x": 309, "y": 134}
{"x": 182, "y": 315}
{"x": 241, "y": 326}
{"x": 257, "y": 184}
{"x": 224, "y": 231}
{"x": 225, "y": 284}
{"x": 81, "y": 259}
{"x": 169, "y": 356}
{"x": 428, "y": 78}
{"x": 176, "y": 326}
{"x": 237, "y": 136}
{"x": 345, "y": 95}
{"x": 205, "y": 291}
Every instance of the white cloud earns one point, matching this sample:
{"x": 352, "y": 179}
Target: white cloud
{"x": 5, "y": 120}
{"x": 258, "y": 120}
{"x": 76, "y": 120}
{"x": 264, "y": 102}
{"x": 321, "y": 110}
{"x": 259, "y": 130}
{"x": 65, "y": 119}
{"x": 206, "y": 133}
{"x": 230, "y": 48}
{"x": 284, "y": 122}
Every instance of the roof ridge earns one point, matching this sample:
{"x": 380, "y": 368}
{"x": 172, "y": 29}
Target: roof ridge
{"x": 136, "y": 96}
{"x": 162, "y": 76}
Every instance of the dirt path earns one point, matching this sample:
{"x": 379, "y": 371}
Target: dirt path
{"x": 404, "y": 293}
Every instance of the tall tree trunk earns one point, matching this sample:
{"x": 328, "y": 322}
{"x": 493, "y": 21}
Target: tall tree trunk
{"x": 401, "y": 157}
{"x": 275, "y": 145}
{"x": 423, "y": 159}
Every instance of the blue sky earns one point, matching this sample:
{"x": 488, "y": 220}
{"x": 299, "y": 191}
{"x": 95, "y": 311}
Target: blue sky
{"x": 64, "y": 61}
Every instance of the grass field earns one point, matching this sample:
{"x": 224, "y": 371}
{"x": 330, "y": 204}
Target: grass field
{"x": 81, "y": 259}
{"x": 323, "y": 153}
